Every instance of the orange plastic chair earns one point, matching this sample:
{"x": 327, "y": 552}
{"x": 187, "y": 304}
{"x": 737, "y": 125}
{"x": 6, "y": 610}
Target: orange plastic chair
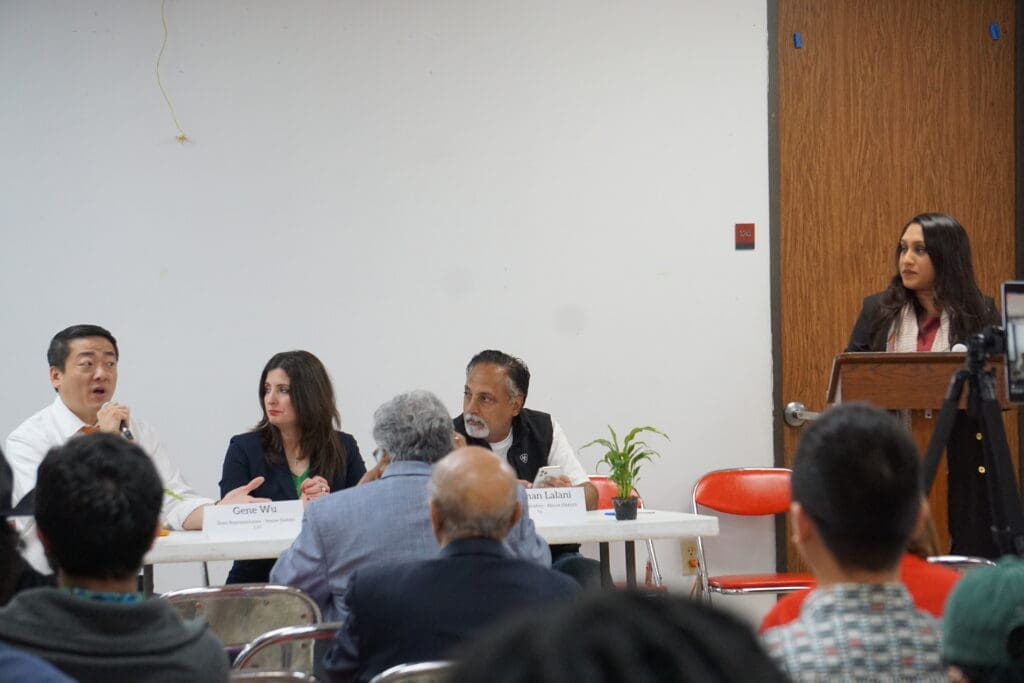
{"x": 747, "y": 491}
{"x": 606, "y": 490}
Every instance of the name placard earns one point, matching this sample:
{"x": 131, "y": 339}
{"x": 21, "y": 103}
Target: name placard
{"x": 276, "y": 519}
{"x": 557, "y": 504}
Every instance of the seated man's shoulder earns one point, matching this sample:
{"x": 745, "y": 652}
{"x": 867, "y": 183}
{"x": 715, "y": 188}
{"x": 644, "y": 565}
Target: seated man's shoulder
{"x": 20, "y": 666}
{"x": 32, "y": 428}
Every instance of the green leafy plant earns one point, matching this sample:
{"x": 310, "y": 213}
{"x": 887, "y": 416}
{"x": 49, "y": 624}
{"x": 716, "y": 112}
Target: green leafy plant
{"x": 624, "y": 461}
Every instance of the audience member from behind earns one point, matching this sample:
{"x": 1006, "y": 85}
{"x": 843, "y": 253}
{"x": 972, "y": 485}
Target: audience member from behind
{"x": 97, "y": 507}
{"x": 983, "y": 630}
{"x": 83, "y": 371}
{"x": 614, "y": 636}
{"x": 929, "y": 584}
{"x": 856, "y": 502}
{"x": 387, "y": 520}
{"x": 15, "y": 574}
{"x": 295, "y": 447}
{"x": 419, "y": 611}
{"x": 14, "y": 664}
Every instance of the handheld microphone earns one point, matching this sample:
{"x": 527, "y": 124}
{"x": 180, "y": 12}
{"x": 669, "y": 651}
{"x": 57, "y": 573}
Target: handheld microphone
{"x": 125, "y": 432}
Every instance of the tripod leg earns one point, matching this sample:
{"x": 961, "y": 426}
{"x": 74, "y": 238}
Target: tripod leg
{"x": 943, "y": 430}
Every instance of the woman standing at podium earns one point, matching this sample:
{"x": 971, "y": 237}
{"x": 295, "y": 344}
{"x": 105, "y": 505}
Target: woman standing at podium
{"x": 295, "y": 446}
{"x": 933, "y": 303}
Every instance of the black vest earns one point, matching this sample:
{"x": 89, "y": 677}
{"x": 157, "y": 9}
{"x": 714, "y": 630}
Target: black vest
{"x": 532, "y": 435}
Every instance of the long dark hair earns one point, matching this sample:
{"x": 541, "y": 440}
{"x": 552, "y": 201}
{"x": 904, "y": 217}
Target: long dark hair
{"x": 956, "y": 291}
{"x": 312, "y": 399}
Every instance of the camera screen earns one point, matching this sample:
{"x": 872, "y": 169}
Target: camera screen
{"x": 1013, "y": 323}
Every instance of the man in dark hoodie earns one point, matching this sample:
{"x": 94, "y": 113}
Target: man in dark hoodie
{"x": 97, "y": 507}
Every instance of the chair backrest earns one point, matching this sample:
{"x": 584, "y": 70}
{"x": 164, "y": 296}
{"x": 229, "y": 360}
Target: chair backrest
{"x": 744, "y": 491}
{"x": 238, "y": 613}
{"x": 606, "y": 490}
{"x": 285, "y": 649}
{"x": 961, "y": 563}
{"x": 272, "y": 676}
{"x": 423, "y": 672}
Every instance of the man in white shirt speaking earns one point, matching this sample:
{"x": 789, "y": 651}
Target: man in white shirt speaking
{"x": 83, "y": 371}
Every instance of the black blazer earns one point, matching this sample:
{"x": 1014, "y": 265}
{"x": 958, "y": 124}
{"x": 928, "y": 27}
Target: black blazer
{"x": 867, "y": 335}
{"x": 245, "y": 460}
{"x": 420, "y": 611}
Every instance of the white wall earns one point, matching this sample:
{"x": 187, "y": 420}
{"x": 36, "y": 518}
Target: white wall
{"x": 394, "y": 186}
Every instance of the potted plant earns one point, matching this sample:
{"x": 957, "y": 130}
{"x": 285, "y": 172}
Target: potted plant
{"x": 624, "y": 465}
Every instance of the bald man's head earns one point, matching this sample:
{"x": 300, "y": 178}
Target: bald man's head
{"x": 473, "y": 493}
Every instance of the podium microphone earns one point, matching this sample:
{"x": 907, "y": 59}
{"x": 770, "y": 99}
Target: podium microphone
{"x": 125, "y": 432}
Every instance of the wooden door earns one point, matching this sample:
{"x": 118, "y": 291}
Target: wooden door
{"x": 887, "y": 109}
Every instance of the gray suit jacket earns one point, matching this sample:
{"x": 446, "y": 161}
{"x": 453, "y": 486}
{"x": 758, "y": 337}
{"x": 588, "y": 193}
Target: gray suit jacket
{"x": 383, "y": 522}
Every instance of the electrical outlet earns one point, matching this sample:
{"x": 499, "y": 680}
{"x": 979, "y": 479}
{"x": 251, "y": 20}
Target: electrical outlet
{"x": 689, "y": 551}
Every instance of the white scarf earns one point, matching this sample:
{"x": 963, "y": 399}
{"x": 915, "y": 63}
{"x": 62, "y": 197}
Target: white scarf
{"x": 903, "y": 332}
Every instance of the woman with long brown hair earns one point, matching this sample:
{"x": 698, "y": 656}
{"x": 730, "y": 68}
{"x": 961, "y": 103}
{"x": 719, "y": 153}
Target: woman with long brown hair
{"x": 932, "y": 304}
{"x": 296, "y": 446}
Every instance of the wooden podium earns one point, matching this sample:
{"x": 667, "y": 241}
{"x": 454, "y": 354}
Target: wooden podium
{"x": 909, "y": 381}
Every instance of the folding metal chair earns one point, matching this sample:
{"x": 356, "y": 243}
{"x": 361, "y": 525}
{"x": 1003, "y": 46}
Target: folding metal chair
{"x": 424, "y": 672}
{"x": 286, "y": 649}
{"x": 272, "y": 676}
{"x": 961, "y": 563}
{"x": 746, "y": 491}
{"x": 237, "y": 613}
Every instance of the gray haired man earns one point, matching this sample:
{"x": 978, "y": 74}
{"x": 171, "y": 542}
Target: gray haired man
{"x": 387, "y": 520}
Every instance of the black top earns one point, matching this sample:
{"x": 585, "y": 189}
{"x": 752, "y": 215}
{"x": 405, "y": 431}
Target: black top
{"x": 870, "y": 335}
{"x": 245, "y": 460}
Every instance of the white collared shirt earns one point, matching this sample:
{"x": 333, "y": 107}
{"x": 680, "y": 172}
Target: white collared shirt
{"x": 29, "y": 443}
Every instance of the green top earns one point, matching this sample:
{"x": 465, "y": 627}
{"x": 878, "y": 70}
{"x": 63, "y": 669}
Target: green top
{"x": 297, "y": 479}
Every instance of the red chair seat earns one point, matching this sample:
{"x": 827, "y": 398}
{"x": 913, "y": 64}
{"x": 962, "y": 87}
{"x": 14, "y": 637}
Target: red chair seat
{"x": 763, "y": 582}
{"x": 747, "y": 491}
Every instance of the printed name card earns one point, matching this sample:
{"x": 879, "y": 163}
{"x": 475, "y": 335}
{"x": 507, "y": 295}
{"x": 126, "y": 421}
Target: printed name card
{"x": 276, "y": 519}
{"x": 552, "y": 505}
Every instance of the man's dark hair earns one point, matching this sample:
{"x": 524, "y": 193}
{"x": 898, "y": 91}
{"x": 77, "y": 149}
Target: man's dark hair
{"x": 97, "y": 502}
{"x": 608, "y": 636}
{"x": 856, "y": 473}
{"x": 60, "y": 345}
{"x": 516, "y": 372}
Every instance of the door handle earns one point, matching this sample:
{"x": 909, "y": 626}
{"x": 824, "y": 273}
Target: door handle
{"x": 796, "y": 414}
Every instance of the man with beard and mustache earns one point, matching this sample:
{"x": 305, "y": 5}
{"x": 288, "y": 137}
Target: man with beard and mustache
{"x": 493, "y": 417}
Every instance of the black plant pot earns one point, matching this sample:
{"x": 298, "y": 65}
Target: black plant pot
{"x": 625, "y": 508}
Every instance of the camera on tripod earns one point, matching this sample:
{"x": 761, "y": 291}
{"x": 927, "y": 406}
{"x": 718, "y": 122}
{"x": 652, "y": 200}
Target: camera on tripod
{"x": 1010, "y": 340}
